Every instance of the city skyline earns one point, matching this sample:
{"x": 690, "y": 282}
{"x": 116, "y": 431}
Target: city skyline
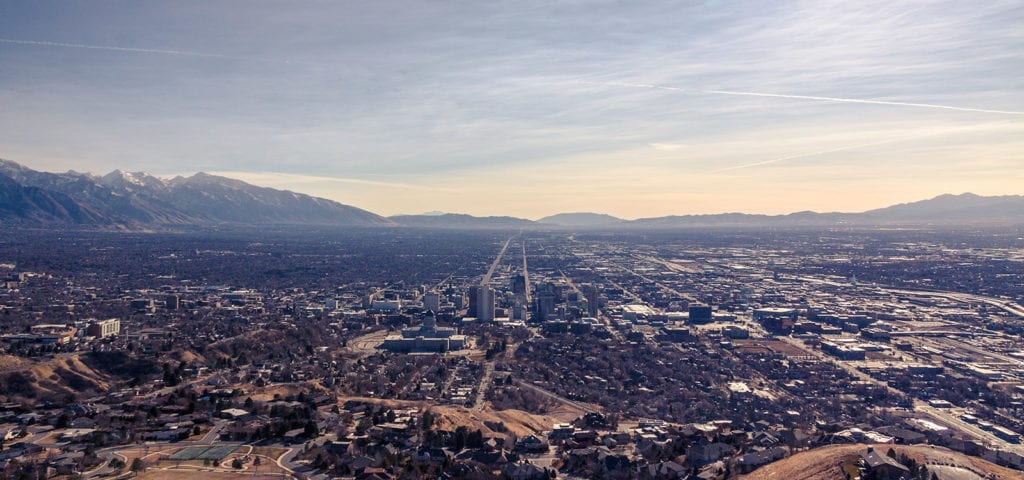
{"x": 530, "y": 110}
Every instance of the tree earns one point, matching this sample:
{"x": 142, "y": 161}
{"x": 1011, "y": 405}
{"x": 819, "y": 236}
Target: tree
{"x": 138, "y": 465}
{"x": 311, "y": 430}
{"x": 236, "y": 464}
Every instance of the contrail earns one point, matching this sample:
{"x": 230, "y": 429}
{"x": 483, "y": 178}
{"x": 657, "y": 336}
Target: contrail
{"x": 158, "y": 51}
{"x": 816, "y": 98}
{"x": 114, "y": 49}
{"x": 870, "y": 102}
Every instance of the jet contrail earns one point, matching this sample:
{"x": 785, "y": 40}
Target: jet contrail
{"x": 114, "y": 49}
{"x": 870, "y": 102}
{"x": 158, "y": 51}
{"x": 816, "y": 98}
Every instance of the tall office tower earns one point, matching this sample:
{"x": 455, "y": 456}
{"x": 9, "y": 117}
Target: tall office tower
{"x": 519, "y": 284}
{"x": 485, "y": 304}
{"x": 432, "y": 301}
{"x": 474, "y": 302}
{"x": 545, "y": 305}
{"x": 592, "y": 297}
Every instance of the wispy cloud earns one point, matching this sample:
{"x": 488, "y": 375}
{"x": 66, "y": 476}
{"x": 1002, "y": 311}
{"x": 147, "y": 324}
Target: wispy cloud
{"x": 814, "y": 98}
{"x": 929, "y": 132}
{"x": 568, "y": 101}
{"x": 277, "y": 179}
{"x": 668, "y": 147}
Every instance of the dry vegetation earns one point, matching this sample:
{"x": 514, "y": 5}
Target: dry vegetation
{"x": 825, "y": 463}
{"x": 487, "y": 421}
{"x": 56, "y": 377}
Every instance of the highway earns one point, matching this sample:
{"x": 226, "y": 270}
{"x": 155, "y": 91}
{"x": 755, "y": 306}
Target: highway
{"x": 560, "y": 399}
{"x": 497, "y": 260}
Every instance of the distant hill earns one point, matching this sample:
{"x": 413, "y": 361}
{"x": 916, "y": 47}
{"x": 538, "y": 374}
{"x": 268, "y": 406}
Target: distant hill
{"x": 141, "y": 200}
{"x": 581, "y": 219}
{"x": 966, "y": 209}
{"x": 460, "y": 220}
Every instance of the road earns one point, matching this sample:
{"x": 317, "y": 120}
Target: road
{"x": 488, "y": 372}
{"x": 485, "y": 384}
{"x": 526, "y": 275}
{"x": 558, "y": 398}
{"x": 497, "y": 260}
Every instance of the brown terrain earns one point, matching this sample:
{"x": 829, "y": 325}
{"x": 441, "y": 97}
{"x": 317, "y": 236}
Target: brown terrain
{"x": 61, "y": 375}
{"x": 825, "y": 463}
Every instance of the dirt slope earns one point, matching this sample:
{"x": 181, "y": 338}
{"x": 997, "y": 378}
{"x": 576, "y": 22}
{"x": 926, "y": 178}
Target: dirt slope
{"x": 823, "y": 463}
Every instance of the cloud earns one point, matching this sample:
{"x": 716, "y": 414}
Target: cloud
{"x": 921, "y": 133}
{"x": 815, "y": 98}
{"x": 277, "y": 179}
{"x": 668, "y": 147}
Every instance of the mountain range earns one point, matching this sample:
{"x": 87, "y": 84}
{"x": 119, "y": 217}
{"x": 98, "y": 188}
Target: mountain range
{"x": 138, "y": 200}
{"x": 141, "y": 200}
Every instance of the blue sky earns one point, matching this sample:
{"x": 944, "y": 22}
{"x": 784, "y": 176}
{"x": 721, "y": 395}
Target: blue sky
{"x": 528, "y": 108}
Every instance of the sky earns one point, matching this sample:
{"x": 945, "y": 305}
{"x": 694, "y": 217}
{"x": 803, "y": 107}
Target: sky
{"x": 528, "y": 108}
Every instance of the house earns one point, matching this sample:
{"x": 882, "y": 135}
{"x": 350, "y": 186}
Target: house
{"x": 533, "y": 444}
{"x": 882, "y": 466}
{"x": 663, "y": 470}
{"x": 233, "y": 414}
{"x": 433, "y": 455}
{"x": 374, "y": 473}
{"x": 524, "y": 471}
{"x": 904, "y": 436}
{"x": 702, "y": 454}
{"x": 750, "y": 461}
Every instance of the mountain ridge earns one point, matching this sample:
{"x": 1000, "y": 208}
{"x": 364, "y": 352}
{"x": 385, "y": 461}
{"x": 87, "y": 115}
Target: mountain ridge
{"x": 580, "y": 219}
{"x": 122, "y": 199}
{"x": 138, "y": 199}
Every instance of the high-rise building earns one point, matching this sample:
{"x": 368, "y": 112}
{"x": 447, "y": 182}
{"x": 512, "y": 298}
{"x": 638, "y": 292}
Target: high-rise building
{"x": 104, "y": 328}
{"x": 590, "y": 291}
{"x": 474, "y": 301}
{"x": 518, "y": 284}
{"x": 432, "y": 301}
{"x": 485, "y": 304}
{"x": 545, "y": 305}
{"x": 172, "y": 302}
{"x": 700, "y": 313}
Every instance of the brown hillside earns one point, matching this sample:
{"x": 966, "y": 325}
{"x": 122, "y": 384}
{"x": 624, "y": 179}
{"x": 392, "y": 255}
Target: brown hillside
{"x": 55, "y": 377}
{"x": 824, "y": 463}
